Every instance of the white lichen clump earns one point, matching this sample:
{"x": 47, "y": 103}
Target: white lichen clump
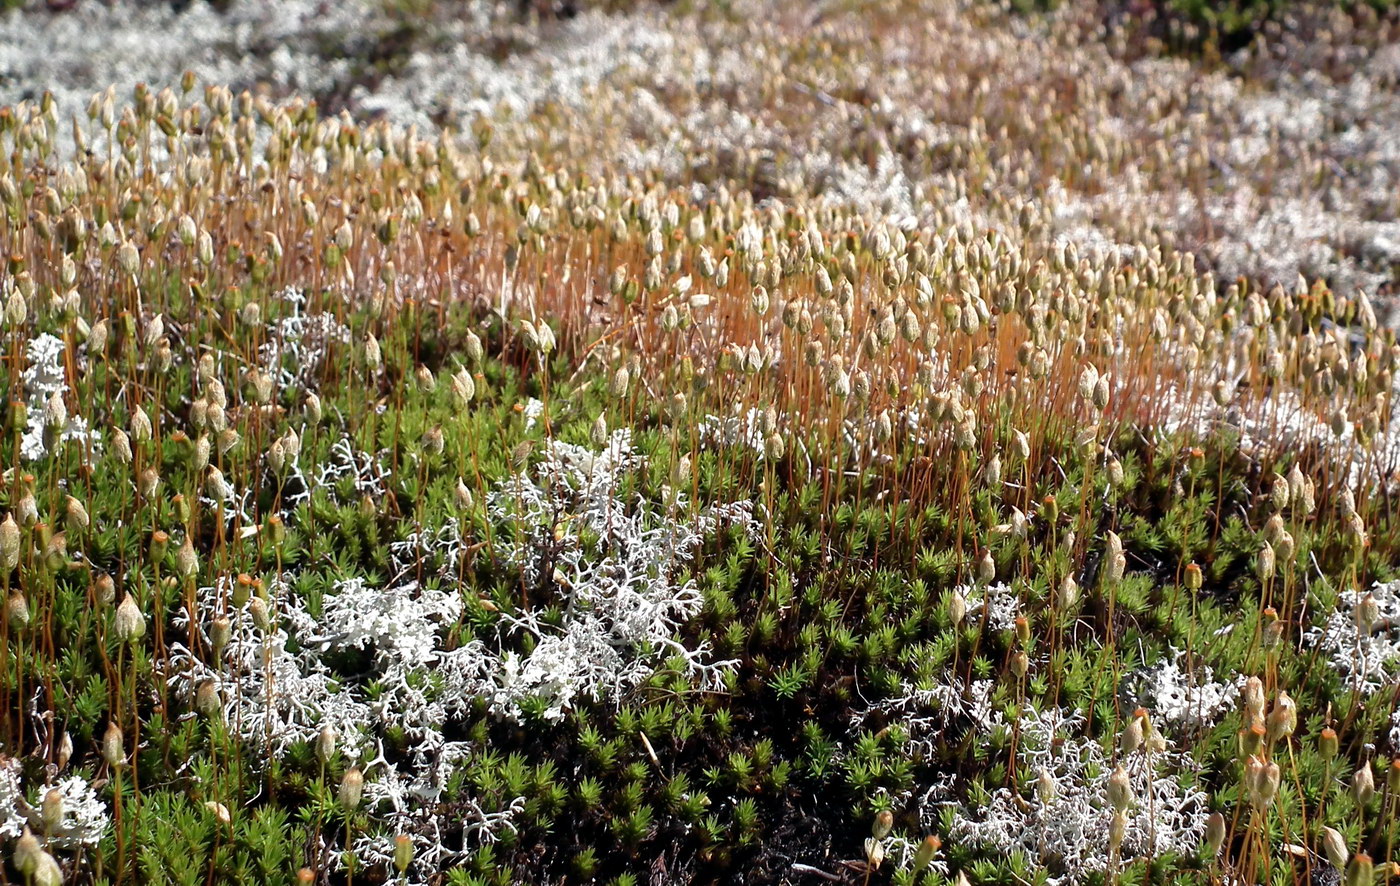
{"x": 534, "y": 409}
{"x": 299, "y": 343}
{"x": 45, "y": 378}
{"x": 620, "y": 595}
{"x": 925, "y": 712}
{"x": 1000, "y": 602}
{"x": 84, "y": 819}
{"x": 1180, "y": 698}
{"x": 1061, "y": 820}
{"x": 274, "y": 685}
{"x": 1361, "y": 637}
{"x": 612, "y": 560}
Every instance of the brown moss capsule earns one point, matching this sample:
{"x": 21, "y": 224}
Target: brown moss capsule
{"x": 957, "y": 608}
{"x": 986, "y": 568}
{"x": 181, "y": 506}
{"x": 884, "y": 821}
{"x": 1360, "y": 872}
{"x": 325, "y": 744}
{"x": 65, "y": 750}
{"x": 17, "y": 611}
{"x": 1273, "y": 628}
{"x": 1023, "y": 630}
{"x": 106, "y": 589}
{"x": 923, "y": 856}
{"x": 27, "y": 852}
{"x": 1264, "y": 562}
{"x": 207, "y": 702}
{"x": 28, "y": 508}
{"x": 148, "y": 483}
{"x": 1068, "y": 592}
{"x": 1020, "y": 664}
{"x": 159, "y": 546}
{"x": 351, "y": 787}
{"x": 1261, "y": 781}
{"x": 1334, "y": 847}
{"x": 1117, "y": 829}
{"x": 1327, "y": 743}
{"x": 1252, "y": 697}
{"x": 423, "y": 376}
{"x": 121, "y": 446}
{"x": 1120, "y": 789}
{"x": 129, "y": 624}
{"x": 186, "y": 560}
{"x": 433, "y": 441}
{"x": 1215, "y": 833}
{"x": 1194, "y": 580}
{"x": 262, "y": 617}
{"x": 113, "y": 750}
{"x": 51, "y": 810}
{"x": 1363, "y": 784}
{"x": 276, "y": 530}
{"x": 242, "y": 589}
{"x": 1283, "y": 719}
{"x": 1131, "y": 738}
{"x": 403, "y": 852}
{"x": 1251, "y": 740}
{"x": 1368, "y": 613}
{"x": 372, "y": 355}
{"x": 9, "y": 545}
{"x": 1196, "y": 459}
{"x": 220, "y": 632}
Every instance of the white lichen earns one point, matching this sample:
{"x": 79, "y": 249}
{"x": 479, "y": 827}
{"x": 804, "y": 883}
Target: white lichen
{"x": 999, "y": 600}
{"x": 619, "y": 591}
{"x": 85, "y": 817}
{"x": 1367, "y": 656}
{"x": 46, "y": 376}
{"x": 611, "y": 559}
{"x": 1187, "y": 699}
{"x": 1068, "y": 832}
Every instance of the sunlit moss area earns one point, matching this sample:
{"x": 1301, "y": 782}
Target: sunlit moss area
{"x": 893, "y": 443}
